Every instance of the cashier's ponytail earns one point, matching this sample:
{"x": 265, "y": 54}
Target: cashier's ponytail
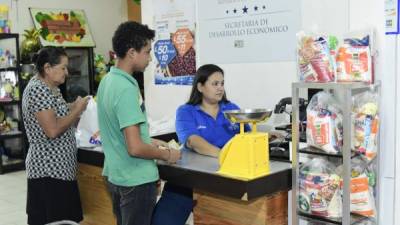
{"x": 202, "y": 74}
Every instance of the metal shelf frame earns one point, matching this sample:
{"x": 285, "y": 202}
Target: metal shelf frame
{"x": 343, "y": 93}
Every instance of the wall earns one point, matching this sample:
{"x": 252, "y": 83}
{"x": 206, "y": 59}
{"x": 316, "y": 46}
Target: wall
{"x": 396, "y": 178}
{"x": 134, "y": 11}
{"x": 103, "y": 16}
{"x": 388, "y": 131}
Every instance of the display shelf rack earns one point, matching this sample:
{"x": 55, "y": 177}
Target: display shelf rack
{"x": 344, "y": 93}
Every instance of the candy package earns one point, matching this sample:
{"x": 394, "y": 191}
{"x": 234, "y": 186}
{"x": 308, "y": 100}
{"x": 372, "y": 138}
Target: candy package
{"x": 316, "y": 61}
{"x": 324, "y": 123}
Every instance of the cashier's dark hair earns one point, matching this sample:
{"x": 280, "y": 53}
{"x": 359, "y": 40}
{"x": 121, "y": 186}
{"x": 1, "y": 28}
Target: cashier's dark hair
{"x": 131, "y": 34}
{"x": 51, "y": 55}
{"x": 202, "y": 75}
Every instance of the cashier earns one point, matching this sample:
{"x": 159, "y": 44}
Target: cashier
{"x": 202, "y": 127}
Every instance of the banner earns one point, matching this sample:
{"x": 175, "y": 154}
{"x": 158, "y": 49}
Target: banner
{"x": 174, "y": 47}
{"x": 239, "y": 31}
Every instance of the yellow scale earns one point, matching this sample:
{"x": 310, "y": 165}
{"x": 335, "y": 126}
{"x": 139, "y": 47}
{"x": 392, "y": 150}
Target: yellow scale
{"x": 246, "y": 155}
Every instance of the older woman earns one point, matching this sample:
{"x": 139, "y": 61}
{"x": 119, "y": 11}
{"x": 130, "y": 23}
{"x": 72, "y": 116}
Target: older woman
{"x": 202, "y": 127}
{"x": 51, "y": 162}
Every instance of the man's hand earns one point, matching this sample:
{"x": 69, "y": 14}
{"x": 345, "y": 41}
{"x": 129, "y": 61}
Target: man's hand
{"x": 174, "y": 155}
{"x": 159, "y": 143}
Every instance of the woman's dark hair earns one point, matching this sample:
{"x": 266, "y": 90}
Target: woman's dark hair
{"x": 51, "y": 55}
{"x": 202, "y": 75}
{"x": 131, "y": 34}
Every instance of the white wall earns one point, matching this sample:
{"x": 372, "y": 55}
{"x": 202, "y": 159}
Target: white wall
{"x": 388, "y": 131}
{"x": 103, "y": 16}
{"x": 396, "y": 178}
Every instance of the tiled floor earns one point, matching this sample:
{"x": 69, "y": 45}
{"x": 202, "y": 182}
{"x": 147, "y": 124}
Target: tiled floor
{"x": 13, "y": 198}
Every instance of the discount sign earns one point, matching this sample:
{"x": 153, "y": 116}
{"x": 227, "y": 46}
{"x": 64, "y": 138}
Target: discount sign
{"x": 182, "y": 40}
{"x": 164, "y": 51}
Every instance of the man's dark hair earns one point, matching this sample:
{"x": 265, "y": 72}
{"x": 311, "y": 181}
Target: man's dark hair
{"x": 131, "y": 34}
{"x": 202, "y": 75}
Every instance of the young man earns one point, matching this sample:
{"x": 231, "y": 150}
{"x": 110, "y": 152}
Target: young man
{"x": 129, "y": 151}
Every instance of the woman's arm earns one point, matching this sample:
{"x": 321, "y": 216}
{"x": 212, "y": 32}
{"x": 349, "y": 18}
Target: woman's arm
{"x": 54, "y": 126}
{"x": 201, "y": 146}
{"x": 189, "y": 135}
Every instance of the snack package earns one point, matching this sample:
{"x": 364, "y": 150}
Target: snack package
{"x": 315, "y": 59}
{"x": 361, "y": 198}
{"x": 324, "y": 123}
{"x": 354, "y": 58}
{"x": 363, "y": 180}
{"x": 354, "y": 64}
{"x": 319, "y": 189}
{"x": 365, "y": 127}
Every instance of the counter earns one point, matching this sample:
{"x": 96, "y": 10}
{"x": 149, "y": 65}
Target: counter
{"x": 219, "y": 199}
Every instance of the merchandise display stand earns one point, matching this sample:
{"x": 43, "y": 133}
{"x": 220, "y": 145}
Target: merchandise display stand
{"x": 344, "y": 93}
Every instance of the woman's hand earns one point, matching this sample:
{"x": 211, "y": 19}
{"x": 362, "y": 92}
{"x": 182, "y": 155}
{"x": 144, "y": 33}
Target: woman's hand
{"x": 80, "y": 104}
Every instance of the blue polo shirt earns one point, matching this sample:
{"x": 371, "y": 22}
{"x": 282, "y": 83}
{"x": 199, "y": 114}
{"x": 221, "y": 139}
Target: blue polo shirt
{"x": 192, "y": 120}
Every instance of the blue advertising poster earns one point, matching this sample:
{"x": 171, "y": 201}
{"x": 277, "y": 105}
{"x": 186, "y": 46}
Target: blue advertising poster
{"x": 174, "y": 47}
{"x": 165, "y": 52}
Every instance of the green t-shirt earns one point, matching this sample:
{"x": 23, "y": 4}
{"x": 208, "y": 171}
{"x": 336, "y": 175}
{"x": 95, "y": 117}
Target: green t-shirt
{"x": 120, "y": 105}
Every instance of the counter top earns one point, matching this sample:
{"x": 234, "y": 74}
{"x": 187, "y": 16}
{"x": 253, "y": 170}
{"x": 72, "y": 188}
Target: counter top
{"x": 199, "y": 172}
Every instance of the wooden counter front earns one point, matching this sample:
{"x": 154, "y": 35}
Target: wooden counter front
{"x": 96, "y": 201}
{"x": 216, "y": 209}
{"x": 220, "y": 200}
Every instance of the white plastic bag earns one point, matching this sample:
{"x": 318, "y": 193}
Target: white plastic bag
{"x": 87, "y": 132}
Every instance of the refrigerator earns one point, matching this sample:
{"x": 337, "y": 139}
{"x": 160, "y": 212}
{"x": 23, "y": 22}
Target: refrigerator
{"x": 80, "y": 79}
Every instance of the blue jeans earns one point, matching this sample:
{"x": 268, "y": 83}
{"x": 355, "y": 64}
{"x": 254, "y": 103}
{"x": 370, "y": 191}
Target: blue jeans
{"x": 174, "y": 206}
{"x": 133, "y": 205}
